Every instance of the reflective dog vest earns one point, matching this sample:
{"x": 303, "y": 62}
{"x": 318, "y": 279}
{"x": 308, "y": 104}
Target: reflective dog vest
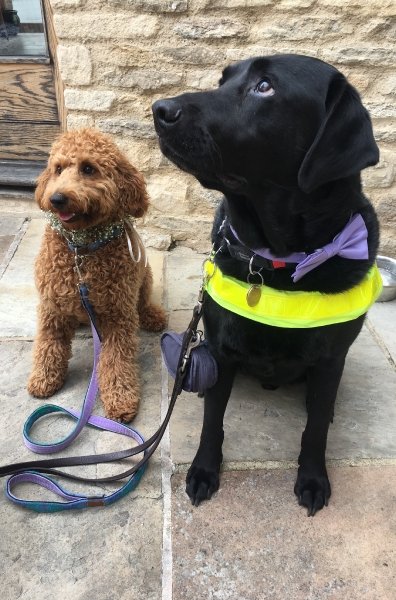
{"x": 297, "y": 309}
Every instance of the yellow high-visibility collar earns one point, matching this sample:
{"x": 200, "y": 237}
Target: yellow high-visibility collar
{"x": 292, "y": 309}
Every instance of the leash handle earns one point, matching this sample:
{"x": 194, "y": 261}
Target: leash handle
{"x": 74, "y": 501}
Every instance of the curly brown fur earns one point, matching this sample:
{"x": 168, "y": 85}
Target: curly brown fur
{"x": 99, "y": 185}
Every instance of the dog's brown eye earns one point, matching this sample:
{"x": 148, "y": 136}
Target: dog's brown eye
{"x": 265, "y": 88}
{"x": 88, "y": 170}
{"x": 58, "y": 170}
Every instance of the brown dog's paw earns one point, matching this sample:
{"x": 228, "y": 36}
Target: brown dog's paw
{"x": 43, "y": 387}
{"x": 121, "y": 411}
{"x": 153, "y": 318}
{"x": 124, "y": 415}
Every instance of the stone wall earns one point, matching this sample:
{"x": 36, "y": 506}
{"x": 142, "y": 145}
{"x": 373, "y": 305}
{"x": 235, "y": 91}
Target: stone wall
{"x": 117, "y": 56}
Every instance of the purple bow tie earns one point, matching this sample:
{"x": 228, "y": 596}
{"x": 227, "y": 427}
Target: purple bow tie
{"x": 351, "y": 243}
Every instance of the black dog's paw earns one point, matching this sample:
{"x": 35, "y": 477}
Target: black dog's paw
{"x": 312, "y": 491}
{"x": 201, "y": 484}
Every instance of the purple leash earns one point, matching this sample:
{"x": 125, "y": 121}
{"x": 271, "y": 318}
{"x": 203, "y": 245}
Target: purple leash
{"x": 83, "y": 417}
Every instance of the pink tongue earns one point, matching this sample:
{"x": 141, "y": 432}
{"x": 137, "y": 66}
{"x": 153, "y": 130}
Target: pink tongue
{"x": 66, "y": 216}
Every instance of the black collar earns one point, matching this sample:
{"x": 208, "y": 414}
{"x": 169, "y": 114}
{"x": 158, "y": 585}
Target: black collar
{"x": 242, "y": 253}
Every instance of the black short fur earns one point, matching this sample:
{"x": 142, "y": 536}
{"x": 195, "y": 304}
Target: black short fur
{"x": 284, "y": 138}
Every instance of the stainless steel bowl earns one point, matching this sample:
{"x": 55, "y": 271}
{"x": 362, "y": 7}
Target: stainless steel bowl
{"x": 387, "y": 268}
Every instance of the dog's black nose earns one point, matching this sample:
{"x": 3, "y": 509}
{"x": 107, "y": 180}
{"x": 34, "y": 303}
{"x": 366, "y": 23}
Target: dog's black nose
{"x": 58, "y": 200}
{"x": 166, "y": 112}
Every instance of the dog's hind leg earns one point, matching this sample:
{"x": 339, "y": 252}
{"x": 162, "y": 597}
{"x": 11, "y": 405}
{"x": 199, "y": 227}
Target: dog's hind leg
{"x": 312, "y": 486}
{"x": 52, "y": 351}
{"x": 203, "y": 475}
{"x": 151, "y": 316}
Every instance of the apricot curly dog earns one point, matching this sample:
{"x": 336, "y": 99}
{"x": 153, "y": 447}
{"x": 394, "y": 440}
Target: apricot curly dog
{"x": 90, "y": 192}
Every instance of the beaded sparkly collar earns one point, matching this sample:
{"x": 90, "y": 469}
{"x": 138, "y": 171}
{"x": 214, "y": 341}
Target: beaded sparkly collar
{"x": 91, "y": 238}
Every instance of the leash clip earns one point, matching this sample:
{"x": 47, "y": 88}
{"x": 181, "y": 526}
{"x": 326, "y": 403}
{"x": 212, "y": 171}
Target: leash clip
{"x": 194, "y": 342}
{"x": 78, "y": 262}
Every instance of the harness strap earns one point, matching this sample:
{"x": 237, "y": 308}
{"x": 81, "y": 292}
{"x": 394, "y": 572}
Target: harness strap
{"x": 296, "y": 309}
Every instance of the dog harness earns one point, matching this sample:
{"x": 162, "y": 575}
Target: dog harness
{"x": 292, "y": 309}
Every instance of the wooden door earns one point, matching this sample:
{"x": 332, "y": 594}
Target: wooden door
{"x": 29, "y": 117}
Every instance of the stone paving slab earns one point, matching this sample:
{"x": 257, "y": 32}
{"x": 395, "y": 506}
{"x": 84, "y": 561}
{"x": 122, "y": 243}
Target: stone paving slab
{"x": 266, "y": 426}
{"x": 15, "y": 363}
{"x": 262, "y": 425}
{"x": 183, "y": 278}
{"x": 109, "y": 553}
{"x": 19, "y": 202}
{"x": 12, "y": 229}
{"x": 10, "y": 225}
{"x": 18, "y": 296}
{"x": 253, "y": 542}
{"x": 115, "y": 552}
{"x": 5, "y": 243}
{"x": 97, "y": 553}
{"x": 382, "y": 319}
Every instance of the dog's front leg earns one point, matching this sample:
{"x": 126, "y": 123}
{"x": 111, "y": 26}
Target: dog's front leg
{"x": 118, "y": 372}
{"x": 203, "y": 475}
{"x": 52, "y": 350}
{"x": 312, "y": 486}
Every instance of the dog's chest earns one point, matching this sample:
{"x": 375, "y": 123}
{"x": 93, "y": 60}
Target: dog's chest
{"x": 108, "y": 273}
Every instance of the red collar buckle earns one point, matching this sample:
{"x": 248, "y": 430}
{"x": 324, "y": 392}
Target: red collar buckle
{"x": 278, "y": 264}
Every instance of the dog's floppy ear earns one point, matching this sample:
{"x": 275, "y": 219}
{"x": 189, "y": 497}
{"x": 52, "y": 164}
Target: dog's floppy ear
{"x": 41, "y": 184}
{"x": 133, "y": 194}
{"x": 344, "y": 144}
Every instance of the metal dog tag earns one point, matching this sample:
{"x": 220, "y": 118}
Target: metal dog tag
{"x": 253, "y": 296}
{"x": 254, "y": 293}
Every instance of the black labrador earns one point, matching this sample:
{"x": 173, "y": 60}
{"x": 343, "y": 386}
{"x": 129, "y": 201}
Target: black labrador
{"x": 284, "y": 138}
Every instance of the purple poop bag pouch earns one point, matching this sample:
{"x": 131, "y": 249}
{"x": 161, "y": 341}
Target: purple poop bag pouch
{"x": 201, "y": 369}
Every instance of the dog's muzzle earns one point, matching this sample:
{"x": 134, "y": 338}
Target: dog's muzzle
{"x": 166, "y": 113}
